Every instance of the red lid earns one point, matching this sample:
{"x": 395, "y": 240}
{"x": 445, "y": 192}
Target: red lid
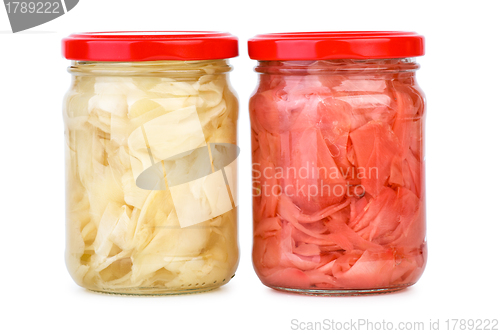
{"x": 336, "y": 45}
{"x": 150, "y": 45}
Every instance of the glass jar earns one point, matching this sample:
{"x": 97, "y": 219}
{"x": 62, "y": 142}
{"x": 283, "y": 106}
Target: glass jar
{"x": 150, "y": 128}
{"x": 338, "y": 162}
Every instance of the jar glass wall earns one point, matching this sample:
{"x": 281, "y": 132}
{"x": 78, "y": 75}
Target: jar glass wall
{"x": 151, "y": 176}
{"x": 338, "y": 175}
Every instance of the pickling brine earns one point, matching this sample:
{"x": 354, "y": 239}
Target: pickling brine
{"x": 151, "y": 172}
{"x": 338, "y": 165}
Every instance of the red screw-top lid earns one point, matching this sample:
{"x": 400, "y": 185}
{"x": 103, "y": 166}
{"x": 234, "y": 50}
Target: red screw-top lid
{"x": 150, "y": 45}
{"x": 336, "y": 45}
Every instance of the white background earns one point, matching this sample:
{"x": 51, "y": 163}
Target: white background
{"x": 460, "y": 76}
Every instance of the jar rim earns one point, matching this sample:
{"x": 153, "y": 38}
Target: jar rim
{"x": 337, "y": 66}
{"x": 158, "y": 68}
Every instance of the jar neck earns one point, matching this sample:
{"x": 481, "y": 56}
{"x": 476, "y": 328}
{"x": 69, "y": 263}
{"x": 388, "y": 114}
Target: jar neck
{"x": 171, "y": 68}
{"x": 337, "y": 66}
